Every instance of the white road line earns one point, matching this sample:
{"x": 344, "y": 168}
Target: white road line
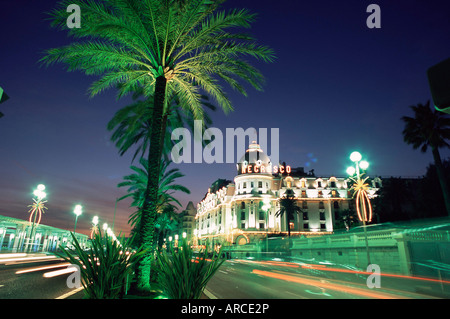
{"x": 209, "y": 294}
{"x": 70, "y": 293}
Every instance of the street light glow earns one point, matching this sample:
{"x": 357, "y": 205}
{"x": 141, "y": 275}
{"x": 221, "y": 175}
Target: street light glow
{"x": 364, "y": 165}
{"x": 351, "y": 171}
{"x": 355, "y": 156}
{"x": 78, "y": 210}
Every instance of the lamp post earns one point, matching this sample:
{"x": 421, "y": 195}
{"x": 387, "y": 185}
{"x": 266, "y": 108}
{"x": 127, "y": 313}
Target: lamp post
{"x": 77, "y": 211}
{"x": 363, "y": 206}
{"x": 36, "y": 210}
{"x": 94, "y": 226}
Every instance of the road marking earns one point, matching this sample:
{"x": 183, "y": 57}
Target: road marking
{"x": 70, "y": 293}
{"x": 209, "y": 294}
{"x": 223, "y": 271}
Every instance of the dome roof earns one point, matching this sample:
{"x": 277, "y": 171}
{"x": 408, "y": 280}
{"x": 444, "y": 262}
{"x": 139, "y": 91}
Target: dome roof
{"x": 254, "y": 156}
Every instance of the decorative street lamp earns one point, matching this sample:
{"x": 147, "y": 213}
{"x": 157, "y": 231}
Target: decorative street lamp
{"x": 77, "y": 211}
{"x": 360, "y": 188}
{"x": 94, "y": 226}
{"x": 37, "y": 209}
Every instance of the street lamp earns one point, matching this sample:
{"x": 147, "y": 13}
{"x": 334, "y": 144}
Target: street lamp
{"x": 94, "y": 226}
{"x": 77, "y": 211}
{"x": 37, "y": 209}
{"x": 360, "y": 188}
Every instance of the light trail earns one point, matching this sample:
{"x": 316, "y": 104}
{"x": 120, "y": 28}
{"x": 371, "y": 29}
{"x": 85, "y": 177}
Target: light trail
{"x": 326, "y": 285}
{"x": 28, "y": 270}
{"x": 341, "y": 270}
{"x": 61, "y": 272}
{"x": 25, "y": 259}
{"x": 309, "y": 266}
{"x": 12, "y": 255}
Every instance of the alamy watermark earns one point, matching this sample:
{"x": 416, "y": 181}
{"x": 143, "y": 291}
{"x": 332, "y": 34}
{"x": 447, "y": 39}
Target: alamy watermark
{"x": 189, "y": 149}
{"x": 374, "y": 279}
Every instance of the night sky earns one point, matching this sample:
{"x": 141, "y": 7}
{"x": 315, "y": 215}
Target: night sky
{"x": 336, "y": 86}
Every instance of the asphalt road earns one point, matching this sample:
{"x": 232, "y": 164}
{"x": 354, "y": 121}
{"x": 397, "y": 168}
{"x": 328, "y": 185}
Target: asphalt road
{"x": 33, "y": 277}
{"x": 38, "y": 276}
{"x": 251, "y": 279}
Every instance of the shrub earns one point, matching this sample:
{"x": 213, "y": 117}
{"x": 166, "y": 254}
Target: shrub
{"x": 183, "y": 274}
{"x": 105, "y": 267}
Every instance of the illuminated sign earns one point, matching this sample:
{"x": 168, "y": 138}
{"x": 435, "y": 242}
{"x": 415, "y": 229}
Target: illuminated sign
{"x": 249, "y": 169}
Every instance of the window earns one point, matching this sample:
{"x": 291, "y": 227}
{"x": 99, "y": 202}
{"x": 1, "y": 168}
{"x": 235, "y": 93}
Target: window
{"x": 243, "y": 205}
{"x": 305, "y": 204}
{"x": 321, "y": 205}
{"x": 251, "y": 184}
{"x": 333, "y": 184}
{"x": 303, "y": 184}
{"x": 261, "y": 226}
{"x": 291, "y": 225}
{"x": 304, "y": 194}
{"x": 322, "y": 215}
{"x": 242, "y": 215}
{"x": 305, "y": 216}
{"x": 323, "y": 227}
{"x": 260, "y": 184}
{"x": 245, "y": 184}
{"x": 261, "y": 215}
{"x": 319, "y": 184}
{"x": 336, "y": 204}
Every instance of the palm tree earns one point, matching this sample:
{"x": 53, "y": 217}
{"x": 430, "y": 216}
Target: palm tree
{"x": 429, "y": 128}
{"x": 137, "y": 183}
{"x": 167, "y": 221}
{"x": 165, "y": 48}
{"x": 288, "y": 208}
{"x": 130, "y": 125}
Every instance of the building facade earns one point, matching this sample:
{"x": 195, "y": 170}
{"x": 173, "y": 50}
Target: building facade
{"x": 245, "y": 210}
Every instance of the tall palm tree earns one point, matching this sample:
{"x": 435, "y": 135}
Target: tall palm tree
{"x": 429, "y": 128}
{"x": 137, "y": 183}
{"x": 165, "y": 47}
{"x": 130, "y": 125}
{"x": 288, "y": 208}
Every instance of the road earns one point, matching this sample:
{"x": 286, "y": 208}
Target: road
{"x": 252, "y": 279}
{"x": 41, "y": 276}
{"x": 34, "y": 276}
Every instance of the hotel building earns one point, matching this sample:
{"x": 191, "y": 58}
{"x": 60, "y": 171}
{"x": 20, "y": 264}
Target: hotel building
{"x": 245, "y": 210}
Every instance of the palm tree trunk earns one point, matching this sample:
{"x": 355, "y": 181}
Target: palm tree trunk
{"x": 149, "y": 211}
{"x": 441, "y": 177}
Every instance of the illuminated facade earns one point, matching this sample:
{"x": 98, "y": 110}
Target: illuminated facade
{"x": 245, "y": 210}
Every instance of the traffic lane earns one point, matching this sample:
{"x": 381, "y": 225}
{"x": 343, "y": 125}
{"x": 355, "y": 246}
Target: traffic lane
{"x": 247, "y": 279}
{"x": 236, "y": 280}
{"x": 27, "y": 281}
{"x": 414, "y": 287}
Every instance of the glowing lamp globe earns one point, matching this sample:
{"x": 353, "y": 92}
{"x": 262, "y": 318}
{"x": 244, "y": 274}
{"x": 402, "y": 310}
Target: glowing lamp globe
{"x": 41, "y": 187}
{"x": 78, "y": 210}
{"x": 355, "y": 157}
{"x": 351, "y": 171}
{"x": 364, "y": 165}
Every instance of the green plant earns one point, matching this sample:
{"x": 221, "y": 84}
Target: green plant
{"x": 183, "y": 274}
{"x": 105, "y": 267}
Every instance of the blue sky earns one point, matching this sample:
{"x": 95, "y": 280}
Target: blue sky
{"x": 336, "y": 86}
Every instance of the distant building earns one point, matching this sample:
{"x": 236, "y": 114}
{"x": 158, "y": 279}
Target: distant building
{"x": 244, "y": 211}
{"x": 187, "y": 224}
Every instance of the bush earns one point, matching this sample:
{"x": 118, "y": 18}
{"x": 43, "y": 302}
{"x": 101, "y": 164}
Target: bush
{"x": 105, "y": 267}
{"x": 183, "y": 274}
